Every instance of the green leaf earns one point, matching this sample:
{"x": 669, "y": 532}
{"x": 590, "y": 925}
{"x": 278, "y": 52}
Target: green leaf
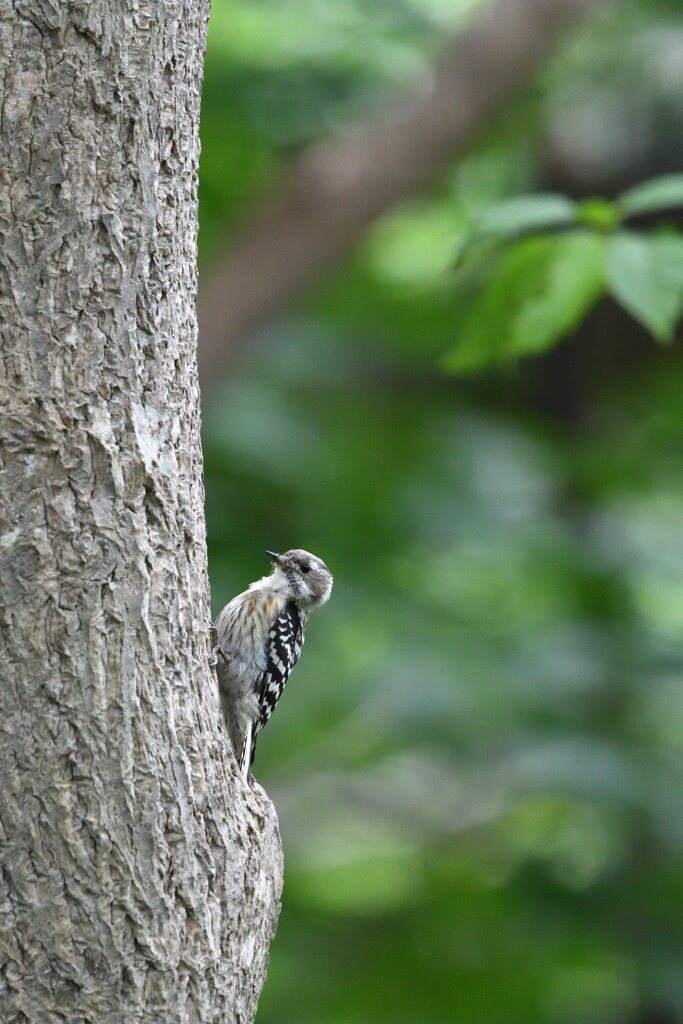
{"x": 576, "y": 279}
{"x": 599, "y": 214}
{"x": 521, "y": 215}
{"x": 540, "y": 291}
{"x": 525, "y": 213}
{"x": 663, "y": 193}
{"x": 645, "y": 274}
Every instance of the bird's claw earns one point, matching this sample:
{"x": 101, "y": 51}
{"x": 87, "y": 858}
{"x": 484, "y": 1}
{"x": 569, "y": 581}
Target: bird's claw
{"x": 217, "y": 651}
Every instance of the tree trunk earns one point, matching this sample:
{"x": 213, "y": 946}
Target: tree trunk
{"x": 140, "y": 879}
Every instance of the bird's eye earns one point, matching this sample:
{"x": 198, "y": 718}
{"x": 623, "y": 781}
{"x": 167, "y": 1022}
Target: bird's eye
{"x": 306, "y": 568}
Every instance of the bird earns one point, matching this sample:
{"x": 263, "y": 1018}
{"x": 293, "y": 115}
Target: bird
{"x": 260, "y": 634}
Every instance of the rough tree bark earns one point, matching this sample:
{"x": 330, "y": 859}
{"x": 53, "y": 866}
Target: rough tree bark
{"x": 140, "y": 880}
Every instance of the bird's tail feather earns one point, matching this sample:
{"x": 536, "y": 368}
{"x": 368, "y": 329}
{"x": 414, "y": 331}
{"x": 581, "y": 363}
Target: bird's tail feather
{"x": 246, "y": 757}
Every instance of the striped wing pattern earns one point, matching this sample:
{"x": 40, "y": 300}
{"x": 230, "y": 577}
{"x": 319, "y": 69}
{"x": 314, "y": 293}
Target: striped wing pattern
{"x": 285, "y": 640}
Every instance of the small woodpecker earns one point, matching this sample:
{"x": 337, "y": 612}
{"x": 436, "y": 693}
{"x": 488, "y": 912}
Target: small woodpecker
{"x": 260, "y": 636}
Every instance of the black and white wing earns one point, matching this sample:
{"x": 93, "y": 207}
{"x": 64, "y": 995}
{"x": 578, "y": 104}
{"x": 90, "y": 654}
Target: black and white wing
{"x": 285, "y": 640}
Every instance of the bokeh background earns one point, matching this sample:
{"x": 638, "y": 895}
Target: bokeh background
{"x": 478, "y": 764}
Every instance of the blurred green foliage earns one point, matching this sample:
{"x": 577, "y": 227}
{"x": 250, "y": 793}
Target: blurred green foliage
{"x": 538, "y": 284}
{"x": 478, "y": 764}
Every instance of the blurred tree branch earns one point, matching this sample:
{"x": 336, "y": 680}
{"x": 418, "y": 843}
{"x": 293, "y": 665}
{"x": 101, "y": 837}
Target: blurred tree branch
{"x": 340, "y": 186}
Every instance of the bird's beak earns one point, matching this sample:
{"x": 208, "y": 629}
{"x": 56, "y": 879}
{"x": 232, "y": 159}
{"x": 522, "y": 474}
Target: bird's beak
{"x": 274, "y": 557}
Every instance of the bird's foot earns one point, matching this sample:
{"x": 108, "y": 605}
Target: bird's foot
{"x": 217, "y": 652}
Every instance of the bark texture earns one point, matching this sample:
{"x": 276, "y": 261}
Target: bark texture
{"x": 139, "y": 880}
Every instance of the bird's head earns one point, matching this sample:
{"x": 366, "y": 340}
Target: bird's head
{"x": 304, "y": 576}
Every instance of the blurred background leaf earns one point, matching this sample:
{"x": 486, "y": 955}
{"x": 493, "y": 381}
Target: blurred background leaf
{"x": 540, "y": 290}
{"x": 660, "y": 194}
{"x": 520, "y": 215}
{"x": 646, "y": 275}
